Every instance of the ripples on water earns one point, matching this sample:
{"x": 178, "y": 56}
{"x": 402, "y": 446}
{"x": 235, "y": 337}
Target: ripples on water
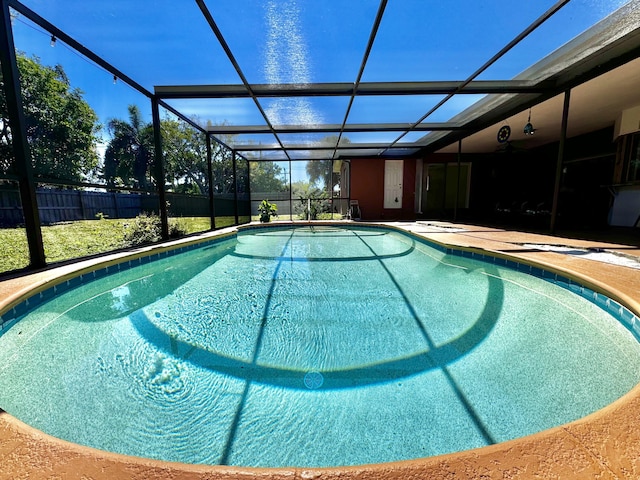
{"x": 291, "y": 362}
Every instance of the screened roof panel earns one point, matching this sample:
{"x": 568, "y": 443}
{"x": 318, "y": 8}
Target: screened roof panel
{"x": 152, "y": 41}
{"x": 220, "y": 111}
{"x": 288, "y": 41}
{"x": 244, "y": 140}
{"x": 270, "y": 155}
{"x": 391, "y": 109}
{"x": 400, "y": 152}
{"x": 572, "y": 20}
{"x": 305, "y": 110}
{"x": 312, "y": 139}
{"x": 311, "y": 155}
{"x": 421, "y": 40}
{"x": 453, "y": 107}
{"x": 412, "y": 137}
{"x": 107, "y": 98}
{"x": 372, "y": 137}
{"x": 422, "y": 54}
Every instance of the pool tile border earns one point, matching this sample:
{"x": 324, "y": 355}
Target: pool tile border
{"x": 624, "y": 315}
{"x": 621, "y": 313}
{"x": 13, "y": 314}
{"x": 603, "y": 444}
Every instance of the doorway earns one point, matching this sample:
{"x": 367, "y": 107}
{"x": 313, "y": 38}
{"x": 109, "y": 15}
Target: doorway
{"x": 439, "y": 186}
{"x": 393, "y": 174}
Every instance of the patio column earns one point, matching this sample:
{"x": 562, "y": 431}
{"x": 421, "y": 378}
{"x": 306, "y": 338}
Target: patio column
{"x": 455, "y": 204}
{"x": 235, "y": 186}
{"x": 21, "y": 151}
{"x": 563, "y": 137}
{"x": 248, "y": 186}
{"x": 159, "y": 168}
{"x": 290, "y": 193}
{"x": 444, "y": 214}
{"x": 212, "y": 203}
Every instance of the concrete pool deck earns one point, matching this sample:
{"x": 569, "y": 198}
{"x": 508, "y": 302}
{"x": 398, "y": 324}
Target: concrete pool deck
{"x": 605, "y": 444}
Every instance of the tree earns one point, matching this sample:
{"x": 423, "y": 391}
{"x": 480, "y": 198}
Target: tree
{"x": 319, "y": 171}
{"x": 222, "y": 164}
{"x": 308, "y": 195}
{"x": 267, "y": 177}
{"x": 185, "y": 155}
{"x": 129, "y": 153}
{"x": 61, "y": 126}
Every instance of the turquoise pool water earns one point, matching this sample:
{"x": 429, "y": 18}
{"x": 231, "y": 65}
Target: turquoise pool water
{"x": 311, "y": 347}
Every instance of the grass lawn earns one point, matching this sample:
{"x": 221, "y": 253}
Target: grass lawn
{"x": 14, "y": 253}
{"x": 82, "y": 238}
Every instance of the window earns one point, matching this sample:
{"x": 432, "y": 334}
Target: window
{"x": 631, "y": 159}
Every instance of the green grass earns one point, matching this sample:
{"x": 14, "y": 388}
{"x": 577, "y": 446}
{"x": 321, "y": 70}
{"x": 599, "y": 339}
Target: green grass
{"x": 65, "y": 241}
{"x": 82, "y": 238}
{"x": 201, "y": 224}
{"x": 14, "y": 253}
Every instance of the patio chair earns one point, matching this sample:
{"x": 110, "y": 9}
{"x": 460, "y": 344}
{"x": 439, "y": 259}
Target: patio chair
{"x": 354, "y": 210}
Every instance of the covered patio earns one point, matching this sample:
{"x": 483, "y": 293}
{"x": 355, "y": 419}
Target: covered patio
{"x": 493, "y": 130}
{"x": 525, "y": 120}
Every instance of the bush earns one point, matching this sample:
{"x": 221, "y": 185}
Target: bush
{"x": 177, "y": 228}
{"x": 267, "y": 210}
{"x": 320, "y": 208}
{"x": 145, "y": 228}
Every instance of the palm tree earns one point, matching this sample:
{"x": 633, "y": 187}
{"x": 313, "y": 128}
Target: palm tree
{"x": 129, "y": 153}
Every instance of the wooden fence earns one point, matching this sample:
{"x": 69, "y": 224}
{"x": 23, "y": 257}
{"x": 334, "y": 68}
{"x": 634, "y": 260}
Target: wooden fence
{"x": 70, "y": 205}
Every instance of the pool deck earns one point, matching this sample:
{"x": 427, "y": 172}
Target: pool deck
{"x": 604, "y": 445}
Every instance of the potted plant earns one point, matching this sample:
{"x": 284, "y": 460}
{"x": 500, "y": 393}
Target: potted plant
{"x": 267, "y": 210}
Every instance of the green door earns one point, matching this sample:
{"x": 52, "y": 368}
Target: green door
{"x": 439, "y": 186}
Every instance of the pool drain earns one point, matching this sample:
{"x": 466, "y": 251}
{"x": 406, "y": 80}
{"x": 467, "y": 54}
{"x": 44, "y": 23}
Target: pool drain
{"x": 313, "y": 380}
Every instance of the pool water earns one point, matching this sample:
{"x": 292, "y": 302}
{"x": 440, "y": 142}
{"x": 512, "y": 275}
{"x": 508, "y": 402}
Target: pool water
{"x": 311, "y": 347}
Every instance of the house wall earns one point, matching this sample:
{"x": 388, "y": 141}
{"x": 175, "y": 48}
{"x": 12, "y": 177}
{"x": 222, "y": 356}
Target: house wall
{"x": 367, "y": 187}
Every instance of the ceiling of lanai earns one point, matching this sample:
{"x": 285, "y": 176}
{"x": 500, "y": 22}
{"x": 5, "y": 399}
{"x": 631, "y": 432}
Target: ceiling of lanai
{"x": 287, "y": 79}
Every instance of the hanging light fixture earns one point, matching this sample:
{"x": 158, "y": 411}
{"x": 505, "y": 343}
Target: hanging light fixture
{"x": 53, "y": 41}
{"x": 528, "y": 128}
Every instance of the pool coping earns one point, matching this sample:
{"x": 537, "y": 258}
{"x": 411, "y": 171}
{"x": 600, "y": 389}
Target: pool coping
{"x": 605, "y": 444}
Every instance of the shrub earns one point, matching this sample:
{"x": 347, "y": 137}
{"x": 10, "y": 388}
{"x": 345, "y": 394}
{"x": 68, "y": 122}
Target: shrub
{"x": 145, "y": 228}
{"x": 267, "y": 210}
{"x": 177, "y": 228}
{"x": 320, "y": 207}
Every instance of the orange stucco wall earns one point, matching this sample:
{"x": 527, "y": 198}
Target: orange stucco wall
{"x": 367, "y": 186}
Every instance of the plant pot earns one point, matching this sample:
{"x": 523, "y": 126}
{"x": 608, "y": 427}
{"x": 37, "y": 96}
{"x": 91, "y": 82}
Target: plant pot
{"x": 265, "y": 217}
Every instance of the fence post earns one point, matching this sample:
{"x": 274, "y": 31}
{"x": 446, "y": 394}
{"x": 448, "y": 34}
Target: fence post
{"x": 83, "y": 210}
{"x": 115, "y": 204}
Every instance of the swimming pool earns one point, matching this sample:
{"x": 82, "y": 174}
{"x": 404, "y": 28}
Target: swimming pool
{"x": 314, "y": 354}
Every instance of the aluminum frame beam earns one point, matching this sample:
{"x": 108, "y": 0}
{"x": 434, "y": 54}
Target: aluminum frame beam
{"x": 616, "y": 54}
{"x": 329, "y": 147}
{"x": 346, "y": 89}
{"x": 331, "y": 128}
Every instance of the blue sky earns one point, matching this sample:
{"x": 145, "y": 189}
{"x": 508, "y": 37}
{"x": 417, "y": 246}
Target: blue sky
{"x": 156, "y": 42}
